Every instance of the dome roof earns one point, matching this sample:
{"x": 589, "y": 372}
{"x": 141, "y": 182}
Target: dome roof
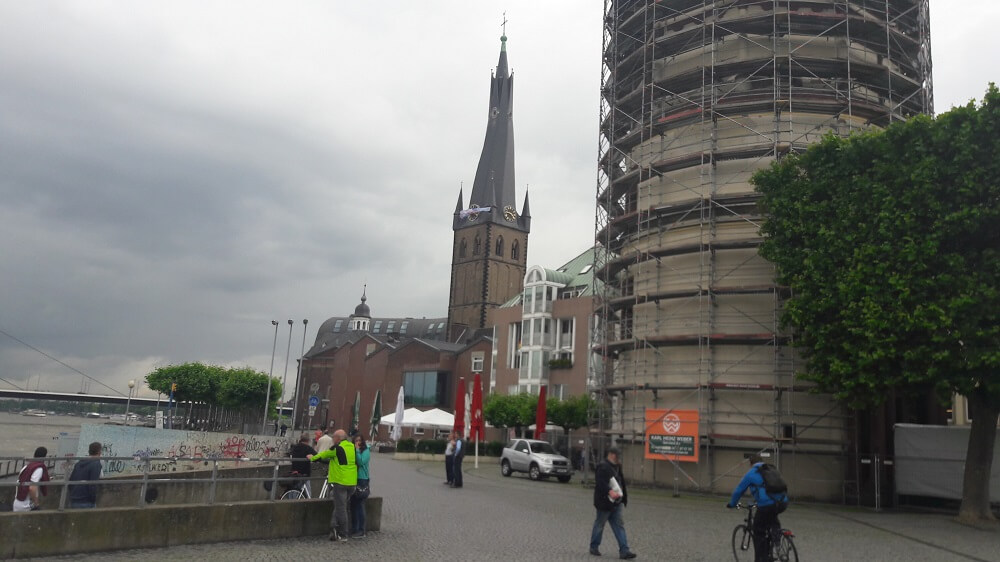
{"x": 362, "y": 309}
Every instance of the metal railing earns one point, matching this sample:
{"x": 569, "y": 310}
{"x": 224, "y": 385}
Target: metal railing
{"x": 147, "y": 478}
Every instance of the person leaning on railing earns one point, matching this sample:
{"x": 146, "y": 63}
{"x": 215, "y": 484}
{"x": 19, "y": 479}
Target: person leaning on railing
{"x": 343, "y": 476}
{"x": 27, "y": 496}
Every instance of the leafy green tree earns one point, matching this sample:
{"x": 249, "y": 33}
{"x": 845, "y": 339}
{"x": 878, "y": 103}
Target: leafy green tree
{"x": 890, "y": 243}
{"x": 515, "y": 410}
{"x": 569, "y": 414}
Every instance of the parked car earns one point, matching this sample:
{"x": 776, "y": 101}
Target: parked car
{"x": 537, "y": 458}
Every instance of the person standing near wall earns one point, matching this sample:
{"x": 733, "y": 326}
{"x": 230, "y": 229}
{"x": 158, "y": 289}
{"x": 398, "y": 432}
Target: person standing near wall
{"x": 324, "y": 442}
{"x": 363, "y": 489}
{"x": 449, "y": 460}
{"x": 27, "y": 497}
{"x": 456, "y": 470}
{"x": 343, "y": 476}
{"x": 85, "y": 495}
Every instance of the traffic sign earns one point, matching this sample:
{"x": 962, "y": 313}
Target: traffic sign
{"x": 312, "y": 410}
{"x": 313, "y": 402}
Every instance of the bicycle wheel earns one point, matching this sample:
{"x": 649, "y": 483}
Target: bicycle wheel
{"x": 325, "y": 492}
{"x": 742, "y": 544}
{"x": 785, "y": 551}
{"x": 291, "y": 495}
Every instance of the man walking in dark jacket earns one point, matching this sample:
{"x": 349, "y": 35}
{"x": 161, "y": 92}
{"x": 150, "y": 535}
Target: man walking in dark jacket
{"x": 85, "y": 495}
{"x": 610, "y": 499}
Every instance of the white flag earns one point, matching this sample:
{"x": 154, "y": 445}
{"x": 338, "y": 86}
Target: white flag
{"x": 464, "y": 213}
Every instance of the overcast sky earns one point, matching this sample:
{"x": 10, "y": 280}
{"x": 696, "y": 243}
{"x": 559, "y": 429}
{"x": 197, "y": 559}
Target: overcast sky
{"x": 175, "y": 175}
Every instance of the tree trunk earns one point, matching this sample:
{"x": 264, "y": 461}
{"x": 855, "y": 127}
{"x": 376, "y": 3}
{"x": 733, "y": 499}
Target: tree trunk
{"x": 979, "y": 460}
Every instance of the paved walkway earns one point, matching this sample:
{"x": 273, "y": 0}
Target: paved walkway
{"x": 496, "y": 518}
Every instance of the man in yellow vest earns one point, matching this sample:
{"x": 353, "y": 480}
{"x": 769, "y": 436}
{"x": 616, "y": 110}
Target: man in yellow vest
{"x": 343, "y": 477}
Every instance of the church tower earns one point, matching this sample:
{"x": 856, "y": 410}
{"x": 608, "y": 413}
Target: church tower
{"x": 489, "y": 256}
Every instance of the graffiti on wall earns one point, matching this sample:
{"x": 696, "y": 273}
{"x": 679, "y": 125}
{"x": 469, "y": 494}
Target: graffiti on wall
{"x": 183, "y": 450}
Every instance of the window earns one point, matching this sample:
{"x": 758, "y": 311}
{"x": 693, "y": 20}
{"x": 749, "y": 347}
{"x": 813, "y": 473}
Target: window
{"x": 337, "y": 325}
{"x": 462, "y": 248}
{"x": 566, "y": 329}
{"x": 476, "y": 243}
{"x": 477, "y": 361}
{"x": 513, "y": 345}
{"x": 424, "y": 388}
{"x": 499, "y": 251}
{"x": 378, "y": 326}
{"x": 369, "y": 349}
{"x": 586, "y": 268}
{"x": 389, "y": 328}
{"x": 515, "y": 250}
{"x": 402, "y": 327}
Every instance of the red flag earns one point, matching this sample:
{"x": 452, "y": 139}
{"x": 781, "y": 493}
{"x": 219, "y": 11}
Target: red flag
{"x": 460, "y": 407}
{"x": 476, "y": 424}
{"x": 540, "y": 413}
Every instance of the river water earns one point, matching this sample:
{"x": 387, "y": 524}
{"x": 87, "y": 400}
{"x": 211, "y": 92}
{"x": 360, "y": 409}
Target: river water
{"x": 20, "y": 435}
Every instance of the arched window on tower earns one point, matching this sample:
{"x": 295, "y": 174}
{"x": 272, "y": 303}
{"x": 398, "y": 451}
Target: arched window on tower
{"x": 515, "y": 250}
{"x": 499, "y": 251}
{"x": 476, "y": 246}
{"x": 462, "y": 248}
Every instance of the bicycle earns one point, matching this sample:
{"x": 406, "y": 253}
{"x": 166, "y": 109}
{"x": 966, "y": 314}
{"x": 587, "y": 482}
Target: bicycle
{"x": 780, "y": 545}
{"x": 299, "y": 489}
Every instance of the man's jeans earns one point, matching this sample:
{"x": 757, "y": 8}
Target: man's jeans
{"x": 617, "y": 527}
{"x": 82, "y": 504}
{"x": 338, "y": 519}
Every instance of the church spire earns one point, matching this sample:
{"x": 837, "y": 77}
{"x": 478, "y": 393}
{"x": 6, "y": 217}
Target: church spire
{"x": 494, "y": 183}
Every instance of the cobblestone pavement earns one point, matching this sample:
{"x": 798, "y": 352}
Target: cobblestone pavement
{"x": 496, "y": 518}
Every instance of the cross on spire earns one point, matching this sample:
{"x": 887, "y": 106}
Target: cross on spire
{"x": 504, "y": 24}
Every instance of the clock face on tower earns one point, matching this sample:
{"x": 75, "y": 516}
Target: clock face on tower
{"x": 509, "y": 213}
{"x": 473, "y": 212}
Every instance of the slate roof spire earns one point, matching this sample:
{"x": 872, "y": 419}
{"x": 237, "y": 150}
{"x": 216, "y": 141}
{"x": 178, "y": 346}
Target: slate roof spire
{"x": 494, "y": 183}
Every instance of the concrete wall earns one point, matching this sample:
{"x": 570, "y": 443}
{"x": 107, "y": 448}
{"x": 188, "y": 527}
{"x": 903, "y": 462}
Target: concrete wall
{"x": 50, "y": 533}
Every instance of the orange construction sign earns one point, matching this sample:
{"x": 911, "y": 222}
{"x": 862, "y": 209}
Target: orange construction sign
{"x": 672, "y": 435}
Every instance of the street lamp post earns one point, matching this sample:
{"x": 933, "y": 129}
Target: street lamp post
{"x": 128, "y": 402}
{"x": 298, "y": 376}
{"x": 267, "y": 397}
{"x": 284, "y": 378}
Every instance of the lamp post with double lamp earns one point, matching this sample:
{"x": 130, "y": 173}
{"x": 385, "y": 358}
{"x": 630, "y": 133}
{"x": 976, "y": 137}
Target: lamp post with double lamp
{"x": 267, "y": 396}
{"x": 284, "y": 378}
{"x": 298, "y": 376}
{"x": 128, "y": 402}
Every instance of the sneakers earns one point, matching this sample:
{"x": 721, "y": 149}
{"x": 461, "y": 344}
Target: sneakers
{"x": 333, "y": 535}
{"x": 627, "y": 555}
{"x": 336, "y": 537}
{"x": 358, "y": 535}
{"x": 595, "y": 552}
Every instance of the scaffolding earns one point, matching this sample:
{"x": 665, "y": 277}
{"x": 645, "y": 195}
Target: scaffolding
{"x": 696, "y": 95}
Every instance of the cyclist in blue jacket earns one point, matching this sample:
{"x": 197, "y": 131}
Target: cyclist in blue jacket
{"x": 767, "y": 507}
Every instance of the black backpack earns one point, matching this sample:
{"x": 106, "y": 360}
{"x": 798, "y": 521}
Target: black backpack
{"x": 774, "y": 485}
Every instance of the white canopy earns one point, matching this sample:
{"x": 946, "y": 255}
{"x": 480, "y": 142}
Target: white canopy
{"x": 436, "y": 418}
{"x": 412, "y": 417}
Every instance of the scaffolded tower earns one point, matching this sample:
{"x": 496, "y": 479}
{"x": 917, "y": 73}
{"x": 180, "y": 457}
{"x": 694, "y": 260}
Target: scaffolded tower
{"x": 696, "y": 96}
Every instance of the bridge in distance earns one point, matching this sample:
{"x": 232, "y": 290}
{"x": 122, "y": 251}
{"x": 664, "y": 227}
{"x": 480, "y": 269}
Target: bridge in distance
{"x": 95, "y": 398}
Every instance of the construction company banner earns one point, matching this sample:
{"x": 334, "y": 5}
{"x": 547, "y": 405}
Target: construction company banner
{"x": 672, "y": 435}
